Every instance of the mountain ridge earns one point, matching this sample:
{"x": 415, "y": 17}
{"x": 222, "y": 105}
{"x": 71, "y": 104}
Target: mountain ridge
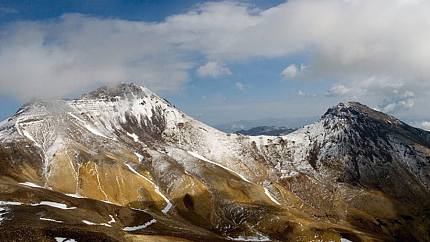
{"x": 124, "y": 145}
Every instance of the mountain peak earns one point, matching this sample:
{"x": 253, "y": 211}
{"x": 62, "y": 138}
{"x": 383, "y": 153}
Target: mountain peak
{"x": 122, "y": 90}
{"x": 347, "y": 107}
{"x": 356, "y": 110}
{"x": 368, "y": 121}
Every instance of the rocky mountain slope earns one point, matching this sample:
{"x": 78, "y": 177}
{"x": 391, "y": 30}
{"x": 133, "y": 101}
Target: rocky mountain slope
{"x": 122, "y": 164}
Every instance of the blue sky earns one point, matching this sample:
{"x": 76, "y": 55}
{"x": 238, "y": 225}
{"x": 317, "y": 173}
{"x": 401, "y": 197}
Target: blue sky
{"x": 146, "y": 10}
{"x": 222, "y": 61}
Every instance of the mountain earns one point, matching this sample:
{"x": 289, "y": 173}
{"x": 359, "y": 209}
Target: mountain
{"x": 266, "y": 130}
{"x": 122, "y": 164}
{"x": 232, "y": 127}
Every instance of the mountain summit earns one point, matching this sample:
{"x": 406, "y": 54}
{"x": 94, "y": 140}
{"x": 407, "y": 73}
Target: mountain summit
{"x": 121, "y": 90}
{"x": 122, "y": 164}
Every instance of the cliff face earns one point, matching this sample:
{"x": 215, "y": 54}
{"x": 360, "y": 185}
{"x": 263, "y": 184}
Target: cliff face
{"x": 121, "y": 163}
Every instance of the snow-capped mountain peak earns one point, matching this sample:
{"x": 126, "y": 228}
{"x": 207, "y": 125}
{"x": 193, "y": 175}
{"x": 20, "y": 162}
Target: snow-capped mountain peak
{"x": 355, "y": 110}
{"x": 121, "y": 90}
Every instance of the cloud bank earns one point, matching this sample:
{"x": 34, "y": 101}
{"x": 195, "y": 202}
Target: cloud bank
{"x": 372, "y": 48}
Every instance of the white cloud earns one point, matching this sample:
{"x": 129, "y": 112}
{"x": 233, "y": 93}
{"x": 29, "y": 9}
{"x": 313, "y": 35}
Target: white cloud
{"x": 338, "y": 90}
{"x": 390, "y": 96}
{"x": 290, "y": 72}
{"x": 240, "y": 86}
{"x": 75, "y": 51}
{"x": 301, "y": 93}
{"x": 425, "y": 125}
{"x": 395, "y": 106}
{"x": 213, "y": 69}
{"x": 373, "y": 47}
{"x": 398, "y": 102}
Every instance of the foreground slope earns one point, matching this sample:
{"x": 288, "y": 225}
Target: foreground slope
{"x": 121, "y": 163}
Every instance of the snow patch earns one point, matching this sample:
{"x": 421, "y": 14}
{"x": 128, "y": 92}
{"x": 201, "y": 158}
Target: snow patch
{"x": 200, "y": 157}
{"x": 156, "y": 188}
{"x": 3, "y": 211}
{"x": 61, "y": 239}
{"x": 42, "y": 203}
{"x": 54, "y": 205}
{"x": 30, "y": 137}
{"x": 169, "y": 205}
{"x": 267, "y": 192}
{"x": 108, "y": 224}
{"x": 5, "y": 203}
{"x": 250, "y": 238}
{"x": 75, "y": 195}
{"x": 139, "y": 227}
{"x": 88, "y": 127}
{"x": 109, "y": 202}
{"x": 134, "y": 137}
{"x": 30, "y": 184}
{"x": 261, "y": 140}
{"x": 139, "y": 156}
{"x": 345, "y": 240}
{"x": 51, "y": 220}
{"x": 137, "y": 173}
{"x": 96, "y": 224}
{"x": 112, "y": 219}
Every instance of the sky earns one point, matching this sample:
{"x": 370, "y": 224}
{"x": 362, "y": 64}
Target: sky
{"x": 223, "y": 61}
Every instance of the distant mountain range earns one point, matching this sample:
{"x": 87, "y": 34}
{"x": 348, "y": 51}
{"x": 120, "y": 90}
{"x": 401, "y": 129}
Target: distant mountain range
{"x": 266, "y": 130}
{"x": 122, "y": 164}
{"x": 235, "y": 126}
